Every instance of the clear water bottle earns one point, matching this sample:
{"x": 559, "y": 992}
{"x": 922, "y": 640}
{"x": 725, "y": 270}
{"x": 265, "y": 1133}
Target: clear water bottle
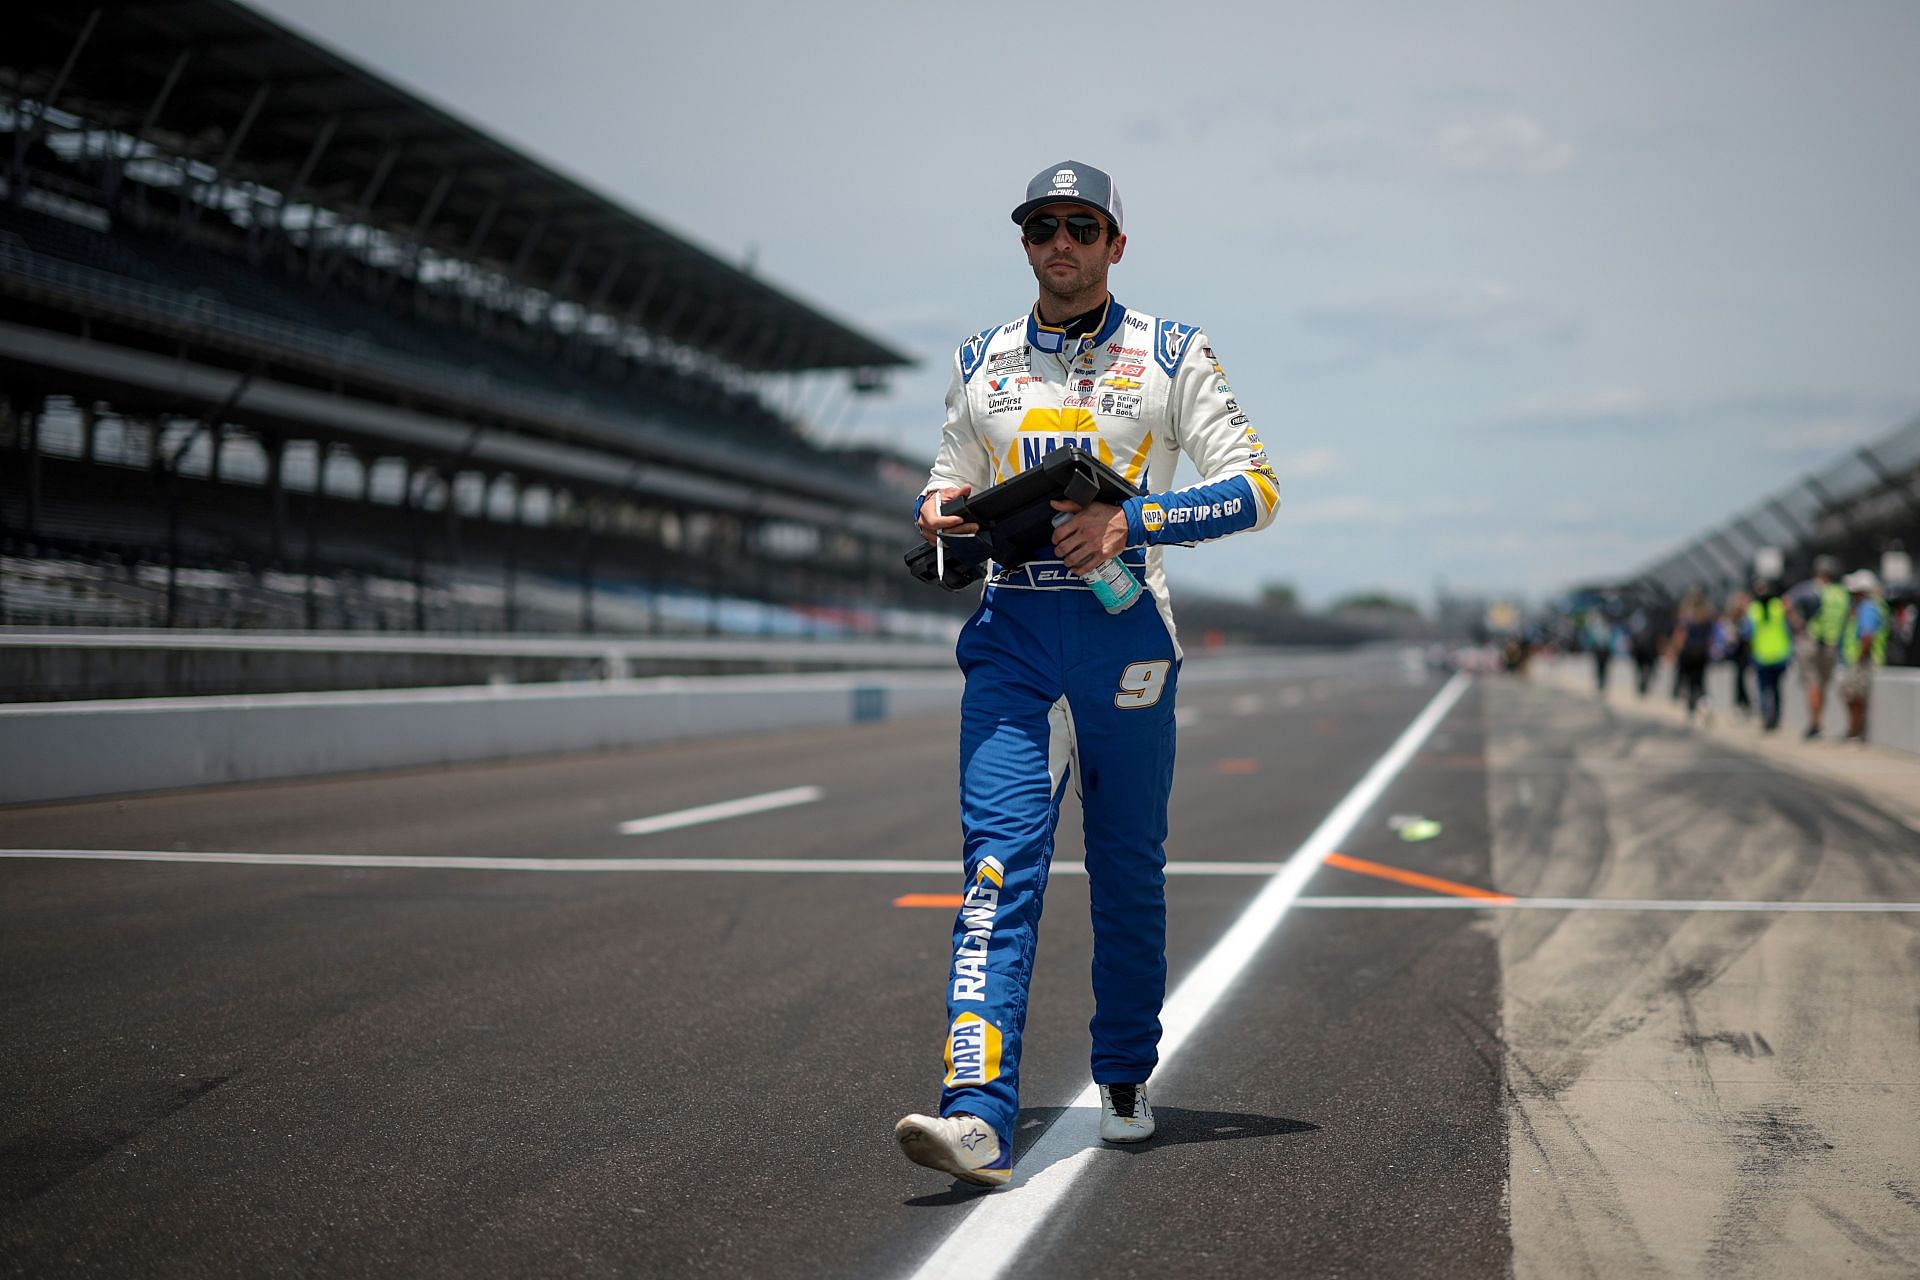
{"x": 1113, "y": 584}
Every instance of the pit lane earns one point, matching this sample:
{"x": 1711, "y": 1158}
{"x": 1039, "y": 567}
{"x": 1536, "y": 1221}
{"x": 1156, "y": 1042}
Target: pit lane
{"x": 437, "y": 1071}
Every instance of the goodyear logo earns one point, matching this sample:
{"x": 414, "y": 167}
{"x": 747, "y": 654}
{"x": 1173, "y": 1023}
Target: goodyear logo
{"x": 973, "y": 1051}
{"x": 977, "y": 909}
{"x": 1153, "y": 516}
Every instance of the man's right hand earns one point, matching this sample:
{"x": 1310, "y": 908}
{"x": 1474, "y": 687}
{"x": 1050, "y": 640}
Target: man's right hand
{"x": 932, "y": 523}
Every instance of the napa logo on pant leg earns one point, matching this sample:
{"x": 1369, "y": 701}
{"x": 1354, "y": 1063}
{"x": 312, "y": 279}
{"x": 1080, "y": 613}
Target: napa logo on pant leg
{"x": 973, "y": 1051}
{"x": 977, "y": 910}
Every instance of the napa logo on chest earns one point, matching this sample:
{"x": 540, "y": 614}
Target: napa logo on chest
{"x": 973, "y": 1051}
{"x": 1042, "y": 431}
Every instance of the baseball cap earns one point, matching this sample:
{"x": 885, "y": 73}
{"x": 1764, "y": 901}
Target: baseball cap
{"x": 1862, "y": 580}
{"x": 1071, "y": 182}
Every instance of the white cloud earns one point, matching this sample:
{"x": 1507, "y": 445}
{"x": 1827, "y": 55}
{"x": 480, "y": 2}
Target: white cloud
{"x": 1607, "y": 402}
{"x": 1475, "y": 318}
{"x": 1308, "y": 462}
{"x": 1602, "y": 411}
{"x": 1355, "y": 508}
{"x": 1499, "y": 146}
{"x": 1821, "y": 435}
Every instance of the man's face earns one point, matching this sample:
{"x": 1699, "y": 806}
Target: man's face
{"x": 1065, "y": 267}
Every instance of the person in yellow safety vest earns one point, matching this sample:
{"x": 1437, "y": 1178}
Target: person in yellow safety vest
{"x": 1770, "y": 624}
{"x": 1821, "y": 650}
{"x": 1863, "y": 646}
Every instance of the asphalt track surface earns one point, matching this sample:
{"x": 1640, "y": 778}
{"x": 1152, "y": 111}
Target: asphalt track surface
{"x": 289, "y": 1069}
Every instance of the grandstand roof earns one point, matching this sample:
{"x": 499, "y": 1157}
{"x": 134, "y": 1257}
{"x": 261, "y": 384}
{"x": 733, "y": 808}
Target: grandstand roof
{"x": 232, "y": 88}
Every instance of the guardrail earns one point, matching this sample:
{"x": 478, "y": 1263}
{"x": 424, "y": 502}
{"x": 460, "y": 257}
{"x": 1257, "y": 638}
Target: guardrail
{"x": 69, "y": 750}
{"x": 69, "y": 666}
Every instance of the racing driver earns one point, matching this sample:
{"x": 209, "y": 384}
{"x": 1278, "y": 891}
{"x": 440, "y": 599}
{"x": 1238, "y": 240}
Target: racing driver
{"x": 1057, "y": 687}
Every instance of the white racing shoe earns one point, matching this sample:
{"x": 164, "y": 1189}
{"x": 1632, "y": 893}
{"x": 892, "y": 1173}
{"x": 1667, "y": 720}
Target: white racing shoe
{"x": 1124, "y": 1113}
{"x": 964, "y": 1146}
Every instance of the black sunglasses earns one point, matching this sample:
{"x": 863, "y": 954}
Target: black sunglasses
{"x": 1043, "y": 227}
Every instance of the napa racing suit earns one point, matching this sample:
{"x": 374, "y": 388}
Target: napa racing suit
{"x": 1058, "y": 689}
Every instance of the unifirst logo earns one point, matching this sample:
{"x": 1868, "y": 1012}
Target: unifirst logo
{"x": 973, "y": 1051}
{"x": 977, "y": 910}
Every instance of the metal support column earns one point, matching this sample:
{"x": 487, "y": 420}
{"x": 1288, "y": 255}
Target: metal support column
{"x": 277, "y": 494}
{"x": 421, "y": 225}
{"x": 1832, "y": 506}
{"x": 1902, "y": 487}
{"x": 238, "y": 136}
{"x": 361, "y": 209}
{"x": 297, "y": 192}
{"x": 513, "y": 553}
{"x": 586, "y": 576}
{"x": 24, "y": 139}
{"x": 117, "y": 170}
{"x": 30, "y": 441}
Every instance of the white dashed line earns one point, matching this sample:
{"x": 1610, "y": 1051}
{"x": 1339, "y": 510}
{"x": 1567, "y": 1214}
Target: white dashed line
{"x": 725, "y": 809}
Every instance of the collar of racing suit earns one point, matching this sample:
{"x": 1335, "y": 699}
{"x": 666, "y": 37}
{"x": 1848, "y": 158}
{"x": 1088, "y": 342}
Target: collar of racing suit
{"x": 1054, "y": 339}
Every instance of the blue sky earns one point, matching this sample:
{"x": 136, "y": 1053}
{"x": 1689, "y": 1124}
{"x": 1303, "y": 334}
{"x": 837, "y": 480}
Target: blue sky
{"x": 1517, "y": 293}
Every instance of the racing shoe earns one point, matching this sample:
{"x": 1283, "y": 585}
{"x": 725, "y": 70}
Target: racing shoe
{"x": 1124, "y": 1113}
{"x": 964, "y": 1146}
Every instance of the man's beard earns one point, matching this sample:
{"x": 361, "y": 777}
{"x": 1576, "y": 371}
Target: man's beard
{"x": 1069, "y": 287}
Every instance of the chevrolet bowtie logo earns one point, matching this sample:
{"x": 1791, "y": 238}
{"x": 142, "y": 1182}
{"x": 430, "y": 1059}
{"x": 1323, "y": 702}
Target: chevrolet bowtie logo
{"x": 1122, "y": 384}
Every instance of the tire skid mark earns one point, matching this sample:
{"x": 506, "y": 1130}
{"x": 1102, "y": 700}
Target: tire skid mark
{"x": 1862, "y": 1237}
{"x": 36, "y": 1162}
{"x": 1576, "y": 987}
{"x": 1778, "y": 1146}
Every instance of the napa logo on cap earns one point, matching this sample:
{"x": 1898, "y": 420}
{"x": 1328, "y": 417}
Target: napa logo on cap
{"x": 1066, "y": 183}
{"x": 973, "y": 1051}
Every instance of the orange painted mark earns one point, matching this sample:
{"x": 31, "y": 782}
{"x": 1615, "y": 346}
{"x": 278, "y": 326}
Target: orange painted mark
{"x": 1238, "y": 764}
{"x": 948, "y": 900}
{"x": 1414, "y": 878}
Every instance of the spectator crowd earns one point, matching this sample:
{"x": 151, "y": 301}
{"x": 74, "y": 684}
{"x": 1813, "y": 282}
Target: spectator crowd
{"x": 1837, "y": 628}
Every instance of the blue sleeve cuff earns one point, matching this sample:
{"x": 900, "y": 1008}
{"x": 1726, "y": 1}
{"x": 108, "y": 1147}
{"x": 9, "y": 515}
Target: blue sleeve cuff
{"x": 1199, "y": 514}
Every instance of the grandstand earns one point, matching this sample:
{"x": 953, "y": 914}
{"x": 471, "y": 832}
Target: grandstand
{"x": 282, "y": 344}
{"x": 1864, "y": 508}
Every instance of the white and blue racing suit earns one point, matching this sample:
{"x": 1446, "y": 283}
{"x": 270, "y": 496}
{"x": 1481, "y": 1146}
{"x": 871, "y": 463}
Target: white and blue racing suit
{"x": 1057, "y": 688}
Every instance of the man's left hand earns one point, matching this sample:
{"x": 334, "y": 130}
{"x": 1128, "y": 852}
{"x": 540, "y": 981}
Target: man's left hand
{"x": 1096, "y": 534}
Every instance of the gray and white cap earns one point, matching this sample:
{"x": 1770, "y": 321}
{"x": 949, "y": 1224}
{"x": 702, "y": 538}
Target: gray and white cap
{"x": 1071, "y": 182}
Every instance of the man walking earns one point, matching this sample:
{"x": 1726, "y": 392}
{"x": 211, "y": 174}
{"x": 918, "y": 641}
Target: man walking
{"x": 1770, "y": 624}
{"x": 1056, "y": 686}
{"x": 1863, "y": 646}
{"x": 1821, "y": 645}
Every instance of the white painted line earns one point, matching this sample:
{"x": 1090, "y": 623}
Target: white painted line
{"x": 392, "y": 862}
{"x": 1438, "y": 903}
{"x": 738, "y": 866}
{"x": 923, "y": 867}
{"x": 725, "y": 809}
{"x": 985, "y": 1241}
